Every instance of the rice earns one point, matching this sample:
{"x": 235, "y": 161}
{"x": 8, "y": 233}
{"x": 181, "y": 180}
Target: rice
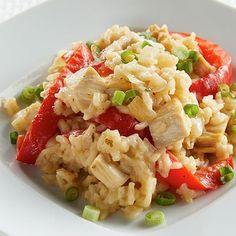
{"x": 117, "y": 172}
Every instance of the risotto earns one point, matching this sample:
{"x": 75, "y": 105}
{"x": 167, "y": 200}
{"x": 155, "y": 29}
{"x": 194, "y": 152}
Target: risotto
{"x": 131, "y": 118}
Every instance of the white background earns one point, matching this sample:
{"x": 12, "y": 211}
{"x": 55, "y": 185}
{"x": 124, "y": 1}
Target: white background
{"x": 10, "y": 8}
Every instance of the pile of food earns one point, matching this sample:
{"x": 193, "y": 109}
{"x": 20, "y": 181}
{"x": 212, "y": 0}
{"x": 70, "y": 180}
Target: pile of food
{"x": 129, "y": 119}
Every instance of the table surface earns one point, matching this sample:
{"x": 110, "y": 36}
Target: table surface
{"x": 10, "y": 8}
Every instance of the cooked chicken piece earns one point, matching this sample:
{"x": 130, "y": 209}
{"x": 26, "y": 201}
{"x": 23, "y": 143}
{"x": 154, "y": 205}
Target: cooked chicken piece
{"x": 80, "y": 88}
{"x": 23, "y": 118}
{"x": 171, "y": 124}
{"x": 107, "y": 173}
{"x": 202, "y": 67}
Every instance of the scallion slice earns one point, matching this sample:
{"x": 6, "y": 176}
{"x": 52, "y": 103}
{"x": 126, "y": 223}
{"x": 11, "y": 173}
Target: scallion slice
{"x": 118, "y": 98}
{"x": 28, "y": 94}
{"x": 227, "y": 178}
{"x": 71, "y": 194}
{"x": 191, "y": 110}
{"x": 38, "y": 91}
{"x": 226, "y": 174}
{"x": 165, "y": 199}
{"x": 154, "y": 218}
{"x": 91, "y": 213}
{"x": 145, "y": 43}
{"x": 233, "y": 129}
{"x": 13, "y": 137}
{"x": 95, "y": 49}
{"x": 224, "y": 89}
{"x": 186, "y": 65}
{"x": 194, "y": 55}
{"x": 146, "y": 35}
{"x": 130, "y": 95}
{"x": 180, "y": 52}
{"x": 127, "y": 56}
{"x": 89, "y": 44}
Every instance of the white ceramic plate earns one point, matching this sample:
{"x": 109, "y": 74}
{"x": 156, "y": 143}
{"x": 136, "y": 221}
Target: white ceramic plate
{"x": 28, "y": 43}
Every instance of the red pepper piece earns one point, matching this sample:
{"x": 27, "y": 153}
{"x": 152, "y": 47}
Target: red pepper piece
{"x": 207, "y": 178}
{"x": 102, "y": 69}
{"x": 124, "y": 123}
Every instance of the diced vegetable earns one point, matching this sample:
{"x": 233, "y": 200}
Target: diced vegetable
{"x": 226, "y": 174}
{"x": 28, "y": 95}
{"x": 154, "y": 218}
{"x": 186, "y": 65}
{"x": 130, "y": 95}
{"x": 206, "y": 178}
{"x": 233, "y": 129}
{"x": 38, "y": 91}
{"x": 72, "y": 194}
{"x": 91, "y": 213}
{"x": 180, "y": 52}
{"x": 165, "y": 199}
{"x": 191, "y": 110}
{"x": 224, "y": 89}
{"x": 102, "y": 69}
{"x": 145, "y": 43}
{"x": 13, "y": 137}
{"x": 95, "y": 49}
{"x": 89, "y": 44}
{"x": 118, "y": 98}
{"x": 146, "y": 35}
{"x": 194, "y": 55}
{"x": 127, "y": 56}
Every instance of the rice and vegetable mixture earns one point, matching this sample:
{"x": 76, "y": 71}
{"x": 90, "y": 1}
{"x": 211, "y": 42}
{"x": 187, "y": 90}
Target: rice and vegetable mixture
{"x": 126, "y": 120}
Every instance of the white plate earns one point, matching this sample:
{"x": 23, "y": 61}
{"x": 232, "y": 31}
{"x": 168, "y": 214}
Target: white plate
{"x": 27, "y": 43}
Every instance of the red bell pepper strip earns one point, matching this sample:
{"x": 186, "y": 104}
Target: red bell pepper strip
{"x": 102, "y": 69}
{"x": 44, "y": 125}
{"x": 217, "y": 57}
{"x": 19, "y": 142}
{"x": 124, "y": 123}
{"x": 207, "y": 178}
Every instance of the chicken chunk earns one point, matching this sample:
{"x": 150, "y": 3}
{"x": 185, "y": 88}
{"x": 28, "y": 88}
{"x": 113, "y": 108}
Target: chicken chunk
{"x": 107, "y": 173}
{"x": 170, "y": 125}
{"x": 80, "y": 88}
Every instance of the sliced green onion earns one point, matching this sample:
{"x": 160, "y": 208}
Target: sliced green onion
{"x": 28, "y": 94}
{"x": 224, "y": 89}
{"x": 225, "y": 170}
{"x": 91, "y": 213}
{"x": 187, "y": 66}
{"x": 71, "y": 194}
{"x": 233, "y": 129}
{"x": 232, "y": 92}
{"x": 191, "y": 110}
{"x": 118, "y": 98}
{"x": 127, "y": 56}
{"x": 165, "y": 199}
{"x": 95, "y": 49}
{"x": 227, "y": 178}
{"x": 226, "y": 174}
{"x": 38, "y": 91}
{"x": 13, "y": 137}
{"x": 146, "y": 35}
{"x": 130, "y": 95}
{"x": 194, "y": 55}
{"x": 89, "y": 44}
{"x": 145, "y": 43}
{"x": 154, "y": 218}
{"x": 180, "y": 52}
